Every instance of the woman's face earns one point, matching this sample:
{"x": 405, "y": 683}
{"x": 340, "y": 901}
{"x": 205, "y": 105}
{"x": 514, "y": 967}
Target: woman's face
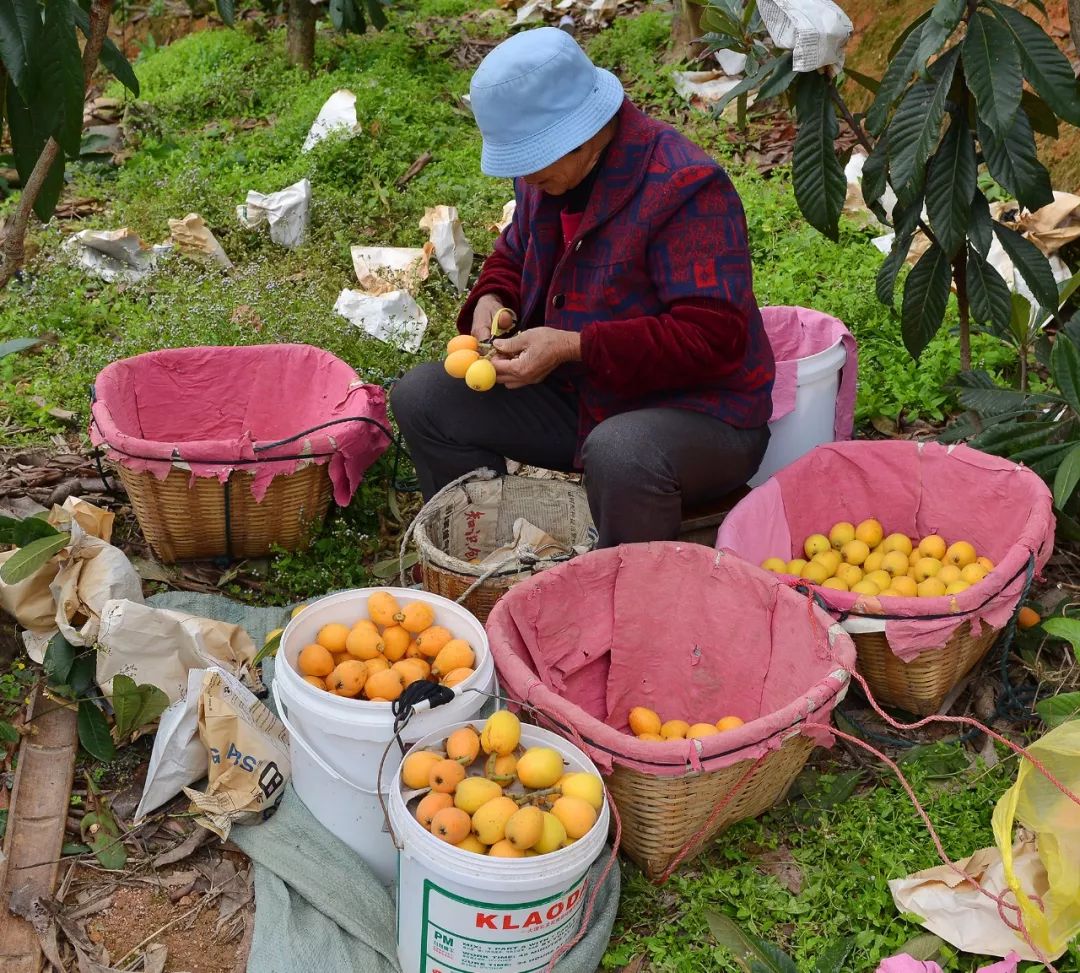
{"x": 566, "y": 173}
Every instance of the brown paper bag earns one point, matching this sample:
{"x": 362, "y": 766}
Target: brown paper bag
{"x": 249, "y": 757}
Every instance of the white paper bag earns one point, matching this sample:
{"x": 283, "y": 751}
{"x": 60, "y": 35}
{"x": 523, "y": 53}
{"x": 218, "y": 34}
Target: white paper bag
{"x": 383, "y": 269}
{"x": 179, "y": 757}
{"x": 338, "y": 114}
{"x": 286, "y": 211}
{"x": 815, "y": 31}
{"x": 112, "y": 254}
{"x": 160, "y": 646}
{"x": 393, "y": 317}
{"x": 452, "y": 250}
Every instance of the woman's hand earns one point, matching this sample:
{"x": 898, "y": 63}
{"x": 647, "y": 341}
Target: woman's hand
{"x": 484, "y": 313}
{"x": 530, "y": 357}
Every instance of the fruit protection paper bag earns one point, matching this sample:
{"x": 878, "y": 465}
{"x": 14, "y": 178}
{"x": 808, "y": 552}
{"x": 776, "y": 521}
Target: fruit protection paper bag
{"x": 248, "y": 750}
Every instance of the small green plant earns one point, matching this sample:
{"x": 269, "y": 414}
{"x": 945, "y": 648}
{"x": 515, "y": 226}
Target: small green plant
{"x": 757, "y": 955}
{"x": 951, "y": 100}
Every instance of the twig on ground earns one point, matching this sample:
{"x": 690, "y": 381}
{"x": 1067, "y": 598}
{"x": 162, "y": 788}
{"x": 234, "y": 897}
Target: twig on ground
{"x": 413, "y": 171}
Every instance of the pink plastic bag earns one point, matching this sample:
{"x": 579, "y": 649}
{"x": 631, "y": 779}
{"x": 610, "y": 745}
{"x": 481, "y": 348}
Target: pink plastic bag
{"x": 689, "y": 632}
{"x": 219, "y": 409}
{"x": 908, "y": 964}
{"x": 1004, "y": 509}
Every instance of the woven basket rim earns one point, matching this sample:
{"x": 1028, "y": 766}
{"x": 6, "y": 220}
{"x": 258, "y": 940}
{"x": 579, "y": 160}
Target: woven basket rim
{"x": 447, "y": 562}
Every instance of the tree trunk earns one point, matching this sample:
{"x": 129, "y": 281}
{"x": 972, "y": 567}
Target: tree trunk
{"x": 14, "y": 246}
{"x": 963, "y": 306}
{"x": 300, "y": 33}
{"x": 1074, "y": 23}
{"x": 686, "y": 28}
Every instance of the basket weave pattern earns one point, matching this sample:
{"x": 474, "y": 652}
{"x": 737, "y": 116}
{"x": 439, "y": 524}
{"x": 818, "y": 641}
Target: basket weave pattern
{"x": 661, "y": 814}
{"x": 560, "y": 506}
{"x": 184, "y": 521}
{"x": 450, "y": 584}
{"x": 920, "y": 686}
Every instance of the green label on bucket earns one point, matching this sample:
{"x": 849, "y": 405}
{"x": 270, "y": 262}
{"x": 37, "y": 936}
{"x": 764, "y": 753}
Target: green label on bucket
{"x": 462, "y": 935}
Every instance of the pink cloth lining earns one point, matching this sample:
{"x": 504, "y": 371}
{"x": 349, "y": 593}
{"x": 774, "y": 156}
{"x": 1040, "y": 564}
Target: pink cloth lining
{"x": 798, "y": 332}
{"x": 209, "y": 407}
{"x": 1002, "y": 508}
{"x": 693, "y": 634}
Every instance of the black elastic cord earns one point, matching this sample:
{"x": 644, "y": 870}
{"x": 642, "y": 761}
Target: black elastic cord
{"x": 415, "y": 693}
{"x": 258, "y": 447}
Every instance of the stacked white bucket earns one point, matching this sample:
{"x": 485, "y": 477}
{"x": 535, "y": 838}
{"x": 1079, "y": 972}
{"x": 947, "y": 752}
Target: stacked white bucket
{"x": 456, "y": 910}
{"x": 460, "y": 911}
{"x": 336, "y": 744}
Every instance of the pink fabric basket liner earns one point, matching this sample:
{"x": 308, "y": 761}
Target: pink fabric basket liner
{"x": 220, "y": 409}
{"x": 692, "y": 633}
{"x": 799, "y": 332}
{"x": 1002, "y": 508}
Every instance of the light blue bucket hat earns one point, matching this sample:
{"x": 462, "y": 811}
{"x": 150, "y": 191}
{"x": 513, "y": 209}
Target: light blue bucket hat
{"x": 537, "y": 97}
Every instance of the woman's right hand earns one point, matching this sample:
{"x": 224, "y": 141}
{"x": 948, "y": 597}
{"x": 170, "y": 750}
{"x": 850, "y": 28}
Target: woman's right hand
{"x": 484, "y": 313}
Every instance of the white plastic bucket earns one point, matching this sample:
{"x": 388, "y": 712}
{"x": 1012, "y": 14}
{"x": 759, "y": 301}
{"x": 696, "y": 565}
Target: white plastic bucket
{"x": 336, "y": 744}
{"x": 813, "y": 419}
{"x": 463, "y": 912}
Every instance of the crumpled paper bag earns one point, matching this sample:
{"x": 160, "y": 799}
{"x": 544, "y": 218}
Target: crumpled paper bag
{"x": 179, "y": 757}
{"x": 527, "y": 539}
{"x": 383, "y": 269}
{"x": 957, "y": 912}
{"x": 600, "y": 12}
{"x": 286, "y": 211}
{"x": 702, "y": 87}
{"x": 30, "y": 602}
{"x": 113, "y": 254}
{"x": 193, "y": 237}
{"x": 248, "y": 751}
{"x": 1005, "y": 212}
{"x": 1053, "y": 226}
{"x": 815, "y": 31}
{"x": 506, "y": 219}
{"x": 393, "y": 317}
{"x": 92, "y": 574}
{"x": 69, "y": 592}
{"x": 338, "y": 114}
{"x": 452, "y": 250}
{"x": 161, "y": 646}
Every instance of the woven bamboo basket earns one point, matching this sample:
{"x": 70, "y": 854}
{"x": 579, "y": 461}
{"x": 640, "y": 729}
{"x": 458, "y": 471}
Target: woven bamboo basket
{"x": 921, "y": 685}
{"x": 185, "y": 521}
{"x": 661, "y": 814}
{"x": 559, "y": 507}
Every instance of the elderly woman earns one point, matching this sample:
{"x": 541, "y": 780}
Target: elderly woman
{"x": 636, "y": 351}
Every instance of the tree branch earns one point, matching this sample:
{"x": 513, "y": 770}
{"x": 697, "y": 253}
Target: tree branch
{"x": 14, "y": 244}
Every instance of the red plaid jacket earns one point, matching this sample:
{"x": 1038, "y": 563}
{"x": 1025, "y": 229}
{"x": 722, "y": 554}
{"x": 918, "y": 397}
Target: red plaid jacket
{"x": 657, "y": 281}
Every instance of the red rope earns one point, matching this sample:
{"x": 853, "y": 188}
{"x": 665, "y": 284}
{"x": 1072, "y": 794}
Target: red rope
{"x": 1002, "y": 906}
{"x": 711, "y": 820}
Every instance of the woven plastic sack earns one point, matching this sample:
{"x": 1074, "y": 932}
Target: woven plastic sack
{"x": 265, "y": 409}
{"x": 1036, "y": 804}
{"x": 689, "y": 632}
{"x": 1001, "y": 507}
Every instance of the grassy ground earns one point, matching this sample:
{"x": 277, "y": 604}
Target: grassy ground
{"x": 221, "y": 113}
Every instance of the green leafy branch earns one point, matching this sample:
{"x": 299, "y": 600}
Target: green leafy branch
{"x": 952, "y": 101}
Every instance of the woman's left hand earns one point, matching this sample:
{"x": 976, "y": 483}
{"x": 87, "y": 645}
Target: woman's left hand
{"x": 530, "y": 357}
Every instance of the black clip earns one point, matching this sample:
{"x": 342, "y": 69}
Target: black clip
{"x": 415, "y": 693}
